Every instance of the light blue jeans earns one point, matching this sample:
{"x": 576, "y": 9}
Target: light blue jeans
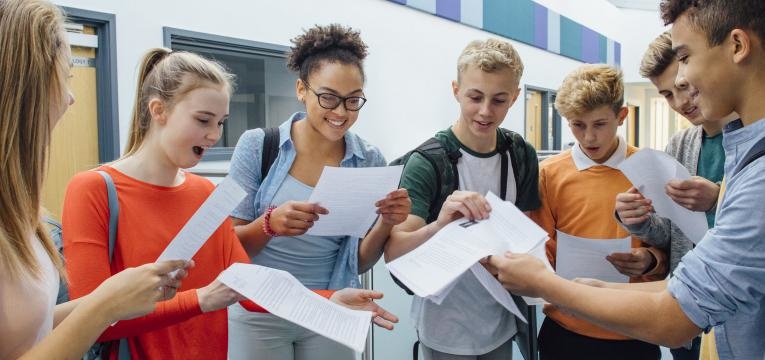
{"x": 503, "y": 352}
{"x": 265, "y": 336}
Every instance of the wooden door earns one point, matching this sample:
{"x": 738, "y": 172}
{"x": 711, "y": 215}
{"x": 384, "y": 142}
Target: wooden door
{"x": 74, "y": 145}
{"x": 534, "y": 119}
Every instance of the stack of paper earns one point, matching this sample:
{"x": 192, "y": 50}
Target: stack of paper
{"x": 284, "y": 296}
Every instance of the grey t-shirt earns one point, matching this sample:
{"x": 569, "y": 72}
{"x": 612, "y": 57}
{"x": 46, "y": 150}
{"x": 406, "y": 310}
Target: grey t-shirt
{"x": 468, "y": 321}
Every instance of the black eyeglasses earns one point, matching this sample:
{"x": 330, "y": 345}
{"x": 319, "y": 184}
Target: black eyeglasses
{"x": 331, "y": 101}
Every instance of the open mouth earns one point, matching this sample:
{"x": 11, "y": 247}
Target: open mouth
{"x": 592, "y": 149}
{"x": 198, "y": 150}
{"x": 337, "y": 124}
{"x": 483, "y": 124}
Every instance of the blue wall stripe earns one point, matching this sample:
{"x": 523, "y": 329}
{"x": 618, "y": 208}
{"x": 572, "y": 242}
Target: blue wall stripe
{"x": 610, "y": 60}
{"x": 553, "y": 31}
{"x": 424, "y": 5}
{"x": 570, "y": 38}
{"x": 471, "y": 13}
{"x": 527, "y": 22}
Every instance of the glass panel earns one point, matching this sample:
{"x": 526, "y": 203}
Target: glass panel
{"x": 264, "y": 94}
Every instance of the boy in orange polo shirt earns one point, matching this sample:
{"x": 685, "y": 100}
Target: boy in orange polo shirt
{"x": 577, "y": 188}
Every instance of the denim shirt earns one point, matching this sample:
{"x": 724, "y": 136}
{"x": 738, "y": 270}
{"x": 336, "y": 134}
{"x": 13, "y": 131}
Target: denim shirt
{"x": 245, "y": 169}
{"x": 721, "y": 282}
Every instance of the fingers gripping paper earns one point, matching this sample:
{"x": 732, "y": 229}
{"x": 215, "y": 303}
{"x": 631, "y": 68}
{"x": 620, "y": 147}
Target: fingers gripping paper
{"x": 434, "y": 265}
{"x": 284, "y": 296}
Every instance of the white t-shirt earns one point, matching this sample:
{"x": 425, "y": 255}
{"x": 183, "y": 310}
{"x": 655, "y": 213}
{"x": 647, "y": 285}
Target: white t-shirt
{"x": 469, "y": 321}
{"x": 26, "y": 307}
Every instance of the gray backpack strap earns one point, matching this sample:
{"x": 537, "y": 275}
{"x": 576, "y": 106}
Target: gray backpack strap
{"x": 114, "y": 211}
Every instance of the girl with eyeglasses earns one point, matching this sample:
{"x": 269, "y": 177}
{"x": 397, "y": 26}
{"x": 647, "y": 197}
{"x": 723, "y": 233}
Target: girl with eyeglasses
{"x": 272, "y": 220}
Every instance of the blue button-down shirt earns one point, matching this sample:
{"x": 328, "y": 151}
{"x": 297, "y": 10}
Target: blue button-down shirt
{"x": 245, "y": 169}
{"x": 721, "y": 283}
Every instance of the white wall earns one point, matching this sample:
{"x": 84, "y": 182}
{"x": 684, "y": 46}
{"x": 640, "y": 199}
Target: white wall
{"x": 638, "y": 29}
{"x": 409, "y": 70}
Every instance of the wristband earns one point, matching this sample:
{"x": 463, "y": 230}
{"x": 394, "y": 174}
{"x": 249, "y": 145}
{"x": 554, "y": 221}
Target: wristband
{"x": 267, "y": 223}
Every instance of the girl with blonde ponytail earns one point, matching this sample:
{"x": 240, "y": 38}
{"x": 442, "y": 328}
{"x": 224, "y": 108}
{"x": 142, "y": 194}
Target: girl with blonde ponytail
{"x": 182, "y": 100}
{"x": 33, "y": 97}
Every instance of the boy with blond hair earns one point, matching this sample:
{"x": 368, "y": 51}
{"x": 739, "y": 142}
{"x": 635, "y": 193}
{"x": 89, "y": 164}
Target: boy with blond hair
{"x": 447, "y": 178}
{"x": 721, "y": 282}
{"x": 577, "y": 188}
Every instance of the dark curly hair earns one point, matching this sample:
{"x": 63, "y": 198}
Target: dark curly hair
{"x": 717, "y": 18}
{"x": 331, "y": 43}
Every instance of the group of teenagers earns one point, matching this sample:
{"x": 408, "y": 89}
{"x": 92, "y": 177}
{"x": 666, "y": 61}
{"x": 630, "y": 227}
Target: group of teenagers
{"x": 710, "y": 67}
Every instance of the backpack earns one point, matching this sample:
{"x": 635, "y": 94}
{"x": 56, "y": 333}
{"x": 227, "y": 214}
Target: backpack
{"x": 99, "y": 350}
{"x": 270, "y": 151}
{"x": 757, "y": 151}
{"x": 443, "y": 158}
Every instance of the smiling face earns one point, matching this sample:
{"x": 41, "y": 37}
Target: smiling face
{"x": 484, "y": 98}
{"x": 678, "y": 94}
{"x": 193, "y": 125}
{"x": 595, "y": 132}
{"x": 344, "y": 80}
{"x": 707, "y": 69}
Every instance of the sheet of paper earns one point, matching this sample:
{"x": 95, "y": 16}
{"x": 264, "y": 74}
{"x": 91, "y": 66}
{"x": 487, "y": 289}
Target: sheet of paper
{"x": 432, "y": 266}
{"x": 540, "y": 252}
{"x": 350, "y": 195}
{"x": 284, "y": 296}
{"x": 649, "y": 171}
{"x": 586, "y": 258}
{"x": 439, "y": 297}
{"x": 496, "y": 290}
{"x": 216, "y": 209}
{"x": 514, "y": 230}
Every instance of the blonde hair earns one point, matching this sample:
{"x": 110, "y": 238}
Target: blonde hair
{"x": 33, "y": 68}
{"x": 658, "y": 56}
{"x": 588, "y": 88}
{"x": 490, "y": 55}
{"x": 169, "y": 75}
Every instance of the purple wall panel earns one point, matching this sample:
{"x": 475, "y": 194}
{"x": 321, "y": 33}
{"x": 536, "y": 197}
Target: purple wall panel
{"x": 590, "y": 46}
{"x": 540, "y": 26}
{"x": 449, "y": 9}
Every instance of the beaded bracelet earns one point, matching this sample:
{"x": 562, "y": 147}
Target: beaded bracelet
{"x": 267, "y": 223}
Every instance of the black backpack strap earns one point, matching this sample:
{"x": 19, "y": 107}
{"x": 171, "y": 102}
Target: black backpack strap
{"x": 757, "y": 151}
{"x": 505, "y": 147}
{"x": 270, "y": 150}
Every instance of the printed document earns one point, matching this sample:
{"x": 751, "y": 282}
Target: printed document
{"x": 350, "y": 195}
{"x": 284, "y": 296}
{"x": 651, "y": 183}
{"x": 431, "y": 267}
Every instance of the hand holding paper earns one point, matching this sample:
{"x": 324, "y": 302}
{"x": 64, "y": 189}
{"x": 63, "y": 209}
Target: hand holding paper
{"x": 350, "y": 195}
{"x": 651, "y": 184}
{"x": 282, "y": 295}
{"x": 432, "y": 266}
